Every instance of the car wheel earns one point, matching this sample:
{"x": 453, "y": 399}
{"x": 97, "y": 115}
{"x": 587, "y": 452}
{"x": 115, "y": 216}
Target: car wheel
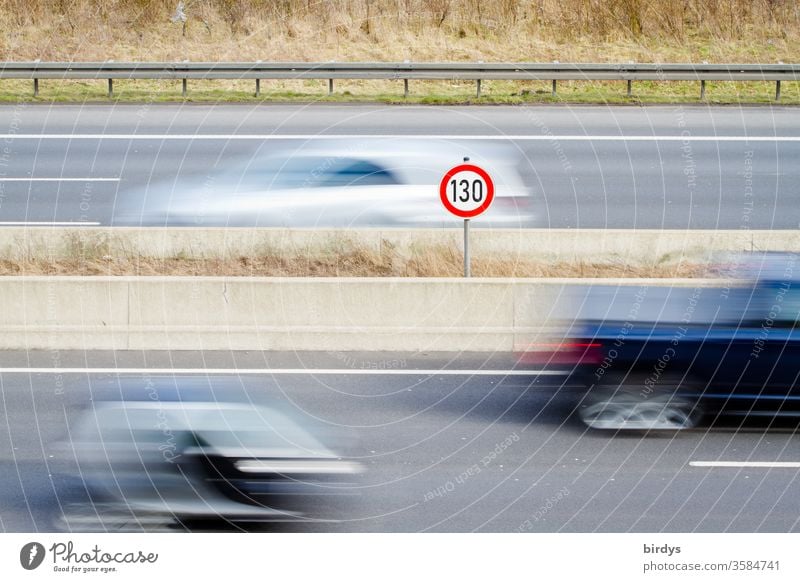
{"x": 626, "y": 411}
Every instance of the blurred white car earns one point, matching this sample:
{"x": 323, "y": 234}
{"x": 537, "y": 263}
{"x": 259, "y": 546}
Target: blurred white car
{"x": 341, "y": 183}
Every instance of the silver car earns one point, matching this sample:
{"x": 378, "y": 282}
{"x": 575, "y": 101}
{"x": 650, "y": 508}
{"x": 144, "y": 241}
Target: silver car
{"x": 341, "y": 183}
{"x": 179, "y": 457}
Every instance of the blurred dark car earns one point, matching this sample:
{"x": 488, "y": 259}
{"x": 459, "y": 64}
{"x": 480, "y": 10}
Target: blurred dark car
{"x": 666, "y": 358}
{"x": 176, "y": 452}
{"x": 341, "y": 183}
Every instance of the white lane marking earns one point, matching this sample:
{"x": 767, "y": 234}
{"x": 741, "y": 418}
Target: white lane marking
{"x": 23, "y": 223}
{"x": 283, "y": 371}
{"x": 747, "y": 464}
{"x": 59, "y": 179}
{"x": 312, "y": 136}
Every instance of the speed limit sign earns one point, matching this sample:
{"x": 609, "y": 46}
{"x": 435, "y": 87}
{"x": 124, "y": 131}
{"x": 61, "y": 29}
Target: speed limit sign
{"x": 466, "y": 191}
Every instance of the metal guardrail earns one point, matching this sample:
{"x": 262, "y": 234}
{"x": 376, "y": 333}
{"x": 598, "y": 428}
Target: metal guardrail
{"x": 477, "y": 72}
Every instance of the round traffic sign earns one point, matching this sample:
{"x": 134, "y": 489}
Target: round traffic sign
{"x": 466, "y": 190}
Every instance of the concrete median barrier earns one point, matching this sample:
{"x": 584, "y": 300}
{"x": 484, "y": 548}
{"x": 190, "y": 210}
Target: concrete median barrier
{"x": 295, "y": 313}
{"x": 242, "y": 313}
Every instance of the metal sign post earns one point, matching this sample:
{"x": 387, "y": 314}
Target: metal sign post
{"x": 466, "y": 248}
{"x": 466, "y": 226}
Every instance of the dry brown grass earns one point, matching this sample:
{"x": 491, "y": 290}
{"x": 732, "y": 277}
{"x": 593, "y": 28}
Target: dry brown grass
{"x": 351, "y": 262}
{"x": 446, "y": 30}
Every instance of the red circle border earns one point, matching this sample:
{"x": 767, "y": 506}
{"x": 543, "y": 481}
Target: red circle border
{"x": 470, "y": 213}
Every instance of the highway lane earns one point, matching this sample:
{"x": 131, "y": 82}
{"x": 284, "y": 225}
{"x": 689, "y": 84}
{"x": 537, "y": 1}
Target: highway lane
{"x": 588, "y": 167}
{"x": 452, "y": 451}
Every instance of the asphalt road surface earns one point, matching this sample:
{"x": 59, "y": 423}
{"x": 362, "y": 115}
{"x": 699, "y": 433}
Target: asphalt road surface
{"x": 451, "y": 442}
{"x": 679, "y": 166}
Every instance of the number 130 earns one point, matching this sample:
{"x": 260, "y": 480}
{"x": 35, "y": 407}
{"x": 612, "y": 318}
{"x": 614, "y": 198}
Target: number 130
{"x": 468, "y": 190}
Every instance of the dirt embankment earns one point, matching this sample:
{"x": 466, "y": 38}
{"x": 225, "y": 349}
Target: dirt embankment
{"x": 395, "y": 30}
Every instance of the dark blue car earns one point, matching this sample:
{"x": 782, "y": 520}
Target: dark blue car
{"x": 653, "y": 357}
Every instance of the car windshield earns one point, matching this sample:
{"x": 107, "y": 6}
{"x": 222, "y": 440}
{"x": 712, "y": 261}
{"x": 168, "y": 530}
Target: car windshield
{"x": 212, "y": 424}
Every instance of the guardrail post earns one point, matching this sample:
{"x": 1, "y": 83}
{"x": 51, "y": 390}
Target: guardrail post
{"x": 330, "y": 87}
{"x": 702, "y": 90}
{"x": 630, "y": 83}
{"x": 111, "y": 88}
{"x": 36, "y": 87}
{"x": 777, "y": 90}
{"x": 405, "y": 88}
{"x": 554, "y": 87}
{"x": 478, "y": 88}
{"x": 183, "y": 88}
{"x": 258, "y": 87}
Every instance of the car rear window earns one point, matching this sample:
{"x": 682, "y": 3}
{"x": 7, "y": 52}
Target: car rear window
{"x": 358, "y": 173}
{"x": 312, "y": 172}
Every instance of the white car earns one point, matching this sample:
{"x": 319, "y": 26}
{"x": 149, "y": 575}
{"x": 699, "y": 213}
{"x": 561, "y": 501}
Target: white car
{"x": 341, "y": 183}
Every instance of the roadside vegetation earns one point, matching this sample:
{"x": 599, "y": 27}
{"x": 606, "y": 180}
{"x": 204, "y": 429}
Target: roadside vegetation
{"x": 352, "y": 260}
{"x": 395, "y": 30}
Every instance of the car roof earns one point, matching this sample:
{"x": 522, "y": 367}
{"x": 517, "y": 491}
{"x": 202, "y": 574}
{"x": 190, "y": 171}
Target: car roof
{"x": 406, "y": 158}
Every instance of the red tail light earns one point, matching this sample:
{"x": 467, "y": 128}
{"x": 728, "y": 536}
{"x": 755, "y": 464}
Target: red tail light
{"x": 562, "y": 353}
